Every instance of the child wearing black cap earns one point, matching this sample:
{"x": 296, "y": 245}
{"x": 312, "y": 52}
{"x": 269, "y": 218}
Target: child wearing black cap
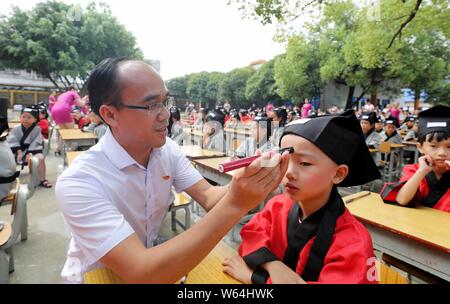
{"x": 428, "y": 182}
{"x": 25, "y": 140}
{"x": 43, "y": 120}
{"x": 390, "y": 133}
{"x": 307, "y": 234}
{"x": 213, "y": 137}
{"x": 372, "y": 138}
{"x": 259, "y": 139}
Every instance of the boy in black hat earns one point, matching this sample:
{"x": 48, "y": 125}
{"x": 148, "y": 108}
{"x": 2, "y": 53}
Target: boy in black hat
{"x": 259, "y": 139}
{"x": 408, "y": 123}
{"x": 213, "y": 137}
{"x": 390, "y": 133}
{"x": 26, "y": 140}
{"x": 428, "y": 182}
{"x": 372, "y": 138}
{"x": 307, "y": 234}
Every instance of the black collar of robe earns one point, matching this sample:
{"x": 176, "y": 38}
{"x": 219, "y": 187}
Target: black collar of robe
{"x": 437, "y": 188}
{"x": 390, "y": 136}
{"x": 321, "y": 224}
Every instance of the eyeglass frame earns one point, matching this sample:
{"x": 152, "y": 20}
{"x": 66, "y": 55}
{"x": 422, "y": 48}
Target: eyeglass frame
{"x": 167, "y": 103}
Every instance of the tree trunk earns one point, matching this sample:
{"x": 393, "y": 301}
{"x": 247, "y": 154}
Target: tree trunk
{"x": 416, "y": 99}
{"x": 373, "y": 95}
{"x": 351, "y": 92}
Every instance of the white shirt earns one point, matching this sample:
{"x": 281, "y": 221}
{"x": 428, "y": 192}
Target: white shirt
{"x": 106, "y": 196}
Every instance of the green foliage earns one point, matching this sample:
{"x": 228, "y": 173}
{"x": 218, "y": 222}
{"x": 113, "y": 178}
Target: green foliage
{"x": 297, "y": 74}
{"x": 261, "y": 87}
{"x": 63, "y": 42}
{"x": 233, "y": 86}
{"x": 178, "y": 86}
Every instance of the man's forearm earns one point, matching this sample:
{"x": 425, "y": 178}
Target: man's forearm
{"x": 215, "y": 194}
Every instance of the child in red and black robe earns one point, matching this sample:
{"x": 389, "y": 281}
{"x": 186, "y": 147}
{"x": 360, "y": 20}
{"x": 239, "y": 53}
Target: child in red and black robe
{"x": 428, "y": 182}
{"x": 307, "y": 235}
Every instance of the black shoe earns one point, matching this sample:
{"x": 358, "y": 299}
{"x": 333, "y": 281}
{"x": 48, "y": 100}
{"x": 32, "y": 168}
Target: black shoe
{"x": 57, "y": 153}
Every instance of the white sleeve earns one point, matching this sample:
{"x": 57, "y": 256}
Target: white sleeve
{"x": 96, "y": 224}
{"x": 185, "y": 174}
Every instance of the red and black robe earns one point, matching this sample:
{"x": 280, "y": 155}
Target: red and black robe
{"x": 431, "y": 193}
{"x": 329, "y": 246}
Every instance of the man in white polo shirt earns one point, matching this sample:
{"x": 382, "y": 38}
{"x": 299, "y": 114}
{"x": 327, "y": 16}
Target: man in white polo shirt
{"x": 114, "y": 196}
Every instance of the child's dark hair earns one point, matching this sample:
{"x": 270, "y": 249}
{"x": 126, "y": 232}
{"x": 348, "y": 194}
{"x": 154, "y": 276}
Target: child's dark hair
{"x": 437, "y": 136}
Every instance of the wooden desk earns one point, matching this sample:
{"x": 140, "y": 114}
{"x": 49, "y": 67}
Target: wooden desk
{"x": 417, "y": 236}
{"x": 209, "y": 271}
{"x": 195, "y": 152}
{"x": 71, "y": 156}
{"x": 412, "y": 146}
{"x": 194, "y": 137}
{"x": 209, "y": 168}
{"x": 76, "y": 137}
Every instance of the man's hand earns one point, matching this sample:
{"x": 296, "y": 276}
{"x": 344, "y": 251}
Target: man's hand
{"x": 252, "y": 184}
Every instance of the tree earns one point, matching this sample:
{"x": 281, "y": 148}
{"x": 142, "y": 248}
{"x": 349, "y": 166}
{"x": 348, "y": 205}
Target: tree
{"x": 297, "y": 73}
{"x": 178, "y": 86}
{"x": 197, "y": 88}
{"x": 286, "y": 12}
{"x": 261, "y": 87}
{"x": 233, "y": 87}
{"x": 62, "y": 42}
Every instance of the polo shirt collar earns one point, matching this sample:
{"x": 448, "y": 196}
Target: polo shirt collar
{"x": 119, "y": 156}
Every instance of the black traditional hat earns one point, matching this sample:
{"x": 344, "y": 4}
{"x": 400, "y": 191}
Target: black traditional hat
{"x": 340, "y": 137}
{"x": 33, "y": 110}
{"x": 371, "y": 117}
{"x": 436, "y": 119}
{"x": 392, "y": 121}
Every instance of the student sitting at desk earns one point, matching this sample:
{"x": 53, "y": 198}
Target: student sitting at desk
{"x": 428, "y": 182}
{"x": 408, "y": 123}
{"x": 8, "y": 172}
{"x": 259, "y": 140}
{"x": 175, "y": 126}
{"x": 412, "y": 134}
{"x": 379, "y": 125}
{"x": 96, "y": 126}
{"x": 372, "y": 138}
{"x": 307, "y": 234}
{"x": 25, "y": 141}
{"x": 390, "y": 133}
{"x": 213, "y": 137}
{"x": 43, "y": 120}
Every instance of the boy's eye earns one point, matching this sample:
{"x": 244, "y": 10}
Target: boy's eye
{"x": 305, "y": 164}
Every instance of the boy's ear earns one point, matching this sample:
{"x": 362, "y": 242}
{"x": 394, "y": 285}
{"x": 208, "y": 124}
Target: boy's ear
{"x": 341, "y": 174}
{"x": 419, "y": 147}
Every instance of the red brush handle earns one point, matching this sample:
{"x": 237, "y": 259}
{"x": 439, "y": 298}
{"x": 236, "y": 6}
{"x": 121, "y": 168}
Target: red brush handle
{"x": 236, "y": 164}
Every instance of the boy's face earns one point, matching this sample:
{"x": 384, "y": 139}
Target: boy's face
{"x": 389, "y": 129}
{"x": 438, "y": 151}
{"x": 365, "y": 126}
{"x": 26, "y": 119}
{"x": 379, "y": 126}
{"x": 311, "y": 173}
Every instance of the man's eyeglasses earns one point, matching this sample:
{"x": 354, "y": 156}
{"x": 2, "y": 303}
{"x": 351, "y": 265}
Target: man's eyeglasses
{"x": 154, "y": 108}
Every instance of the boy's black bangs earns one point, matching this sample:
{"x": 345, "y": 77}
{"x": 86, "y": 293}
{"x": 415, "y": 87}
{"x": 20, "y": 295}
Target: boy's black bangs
{"x": 434, "y": 136}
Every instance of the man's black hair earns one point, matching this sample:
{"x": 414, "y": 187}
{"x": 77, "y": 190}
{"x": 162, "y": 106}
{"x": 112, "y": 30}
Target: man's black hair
{"x": 103, "y": 85}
